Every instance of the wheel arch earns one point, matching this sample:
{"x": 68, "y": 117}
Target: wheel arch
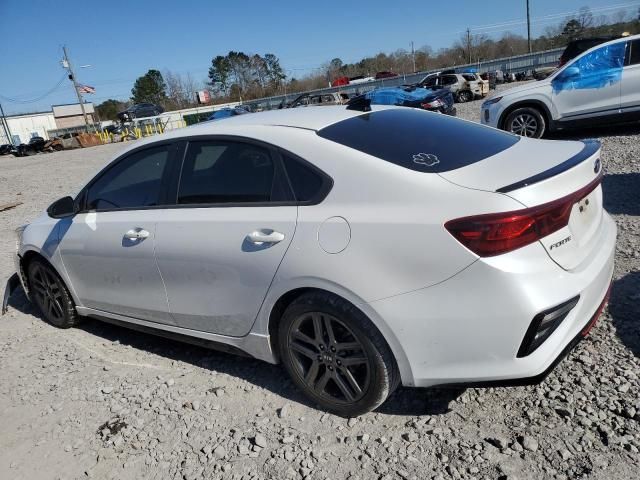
{"x": 29, "y": 254}
{"x": 531, "y": 103}
{"x": 285, "y": 299}
{"x": 27, "y": 257}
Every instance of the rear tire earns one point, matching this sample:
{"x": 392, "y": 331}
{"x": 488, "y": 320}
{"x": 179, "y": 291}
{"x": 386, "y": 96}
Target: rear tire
{"x": 526, "y": 122}
{"x": 335, "y": 355}
{"x": 465, "y": 96}
{"x": 50, "y": 295}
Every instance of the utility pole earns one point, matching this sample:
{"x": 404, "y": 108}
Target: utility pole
{"x": 469, "y": 44}
{"x": 5, "y": 126}
{"x": 66, "y": 63}
{"x": 413, "y": 55}
{"x": 528, "y": 27}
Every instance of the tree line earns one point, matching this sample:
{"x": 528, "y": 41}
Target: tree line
{"x": 240, "y": 76}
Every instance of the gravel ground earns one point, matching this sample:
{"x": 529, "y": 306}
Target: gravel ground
{"x": 101, "y": 401}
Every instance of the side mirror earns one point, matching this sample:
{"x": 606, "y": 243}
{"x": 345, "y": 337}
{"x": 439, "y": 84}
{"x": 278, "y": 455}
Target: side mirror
{"x": 64, "y": 207}
{"x": 571, "y": 72}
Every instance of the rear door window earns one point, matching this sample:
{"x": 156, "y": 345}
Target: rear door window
{"x": 217, "y": 172}
{"x": 308, "y": 183}
{"x": 633, "y": 52}
{"x": 418, "y": 140}
{"x": 449, "y": 79}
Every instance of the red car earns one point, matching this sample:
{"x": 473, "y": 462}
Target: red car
{"x": 340, "y": 81}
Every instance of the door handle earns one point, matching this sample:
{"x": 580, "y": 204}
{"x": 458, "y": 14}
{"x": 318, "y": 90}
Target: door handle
{"x": 265, "y": 236}
{"x": 136, "y": 234}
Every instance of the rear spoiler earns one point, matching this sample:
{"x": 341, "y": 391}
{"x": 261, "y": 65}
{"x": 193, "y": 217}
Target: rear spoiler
{"x": 590, "y": 147}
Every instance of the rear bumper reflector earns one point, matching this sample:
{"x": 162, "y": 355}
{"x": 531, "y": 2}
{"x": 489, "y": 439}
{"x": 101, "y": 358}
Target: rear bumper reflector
{"x": 543, "y": 325}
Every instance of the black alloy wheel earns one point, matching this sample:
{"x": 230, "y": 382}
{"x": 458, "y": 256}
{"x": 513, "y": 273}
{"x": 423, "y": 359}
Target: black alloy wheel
{"x": 335, "y": 354}
{"x": 50, "y": 295}
{"x": 329, "y": 357}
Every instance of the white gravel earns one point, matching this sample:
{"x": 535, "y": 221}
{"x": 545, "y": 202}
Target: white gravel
{"x": 103, "y": 402}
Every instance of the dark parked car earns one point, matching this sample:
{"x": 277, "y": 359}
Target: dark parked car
{"x": 435, "y": 100}
{"x": 576, "y": 47}
{"x": 228, "y": 112}
{"x": 380, "y": 75}
{"x": 6, "y": 149}
{"x": 140, "y": 110}
{"x": 35, "y": 145}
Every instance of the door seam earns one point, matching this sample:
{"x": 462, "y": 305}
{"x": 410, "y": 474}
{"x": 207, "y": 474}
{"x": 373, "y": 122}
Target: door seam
{"x": 164, "y": 285}
{"x": 266, "y": 293}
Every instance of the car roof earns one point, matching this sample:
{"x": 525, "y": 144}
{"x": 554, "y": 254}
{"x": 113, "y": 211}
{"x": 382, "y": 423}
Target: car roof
{"x": 311, "y": 119}
{"x": 619, "y": 39}
{"x": 600, "y": 45}
{"x": 305, "y": 118}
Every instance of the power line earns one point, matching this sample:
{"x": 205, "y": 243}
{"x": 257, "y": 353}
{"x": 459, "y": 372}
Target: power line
{"x": 41, "y": 97}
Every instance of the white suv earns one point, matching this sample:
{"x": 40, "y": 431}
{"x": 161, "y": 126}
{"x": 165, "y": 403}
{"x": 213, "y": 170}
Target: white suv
{"x": 600, "y": 86}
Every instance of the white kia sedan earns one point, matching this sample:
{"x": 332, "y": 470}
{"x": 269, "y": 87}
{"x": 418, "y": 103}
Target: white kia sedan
{"x": 362, "y": 249}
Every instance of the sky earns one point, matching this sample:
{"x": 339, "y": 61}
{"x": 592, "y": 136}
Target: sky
{"x": 122, "y": 40}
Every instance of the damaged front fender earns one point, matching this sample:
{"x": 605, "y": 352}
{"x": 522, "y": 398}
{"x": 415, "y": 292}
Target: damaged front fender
{"x": 12, "y": 284}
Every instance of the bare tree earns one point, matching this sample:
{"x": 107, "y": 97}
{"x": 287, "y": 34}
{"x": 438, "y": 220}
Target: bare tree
{"x": 620, "y": 16}
{"x": 585, "y": 18}
{"x": 180, "y": 89}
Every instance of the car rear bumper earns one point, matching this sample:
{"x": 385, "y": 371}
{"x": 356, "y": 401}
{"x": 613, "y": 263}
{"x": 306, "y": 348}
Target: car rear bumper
{"x": 469, "y": 328}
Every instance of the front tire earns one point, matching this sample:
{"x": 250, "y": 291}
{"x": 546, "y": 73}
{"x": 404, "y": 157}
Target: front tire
{"x": 335, "y": 355}
{"x": 526, "y": 122}
{"x": 50, "y": 295}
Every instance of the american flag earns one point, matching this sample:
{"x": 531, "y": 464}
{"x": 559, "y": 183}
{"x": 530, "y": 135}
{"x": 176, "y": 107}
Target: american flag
{"x": 86, "y": 89}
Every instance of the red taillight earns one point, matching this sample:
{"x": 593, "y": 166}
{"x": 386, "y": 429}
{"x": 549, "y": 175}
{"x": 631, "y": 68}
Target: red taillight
{"x": 497, "y": 233}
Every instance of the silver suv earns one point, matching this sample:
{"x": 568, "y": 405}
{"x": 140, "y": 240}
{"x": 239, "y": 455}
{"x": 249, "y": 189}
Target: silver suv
{"x": 598, "y": 87}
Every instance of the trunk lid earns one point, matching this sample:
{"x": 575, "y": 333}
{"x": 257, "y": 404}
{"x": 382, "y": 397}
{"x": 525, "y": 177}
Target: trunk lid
{"x": 536, "y": 172}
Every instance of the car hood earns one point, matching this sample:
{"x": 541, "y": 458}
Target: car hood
{"x": 526, "y": 87}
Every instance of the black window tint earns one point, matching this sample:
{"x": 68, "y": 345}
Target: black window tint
{"x": 634, "y": 52}
{"x": 226, "y": 172}
{"x": 133, "y": 182}
{"x": 449, "y": 79}
{"x": 418, "y": 140}
{"x": 306, "y": 183}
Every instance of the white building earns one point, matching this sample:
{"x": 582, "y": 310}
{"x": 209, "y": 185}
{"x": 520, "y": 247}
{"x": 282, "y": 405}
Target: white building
{"x": 28, "y": 125}
{"x": 23, "y": 127}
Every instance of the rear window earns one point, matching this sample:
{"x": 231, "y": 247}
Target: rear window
{"x": 420, "y": 141}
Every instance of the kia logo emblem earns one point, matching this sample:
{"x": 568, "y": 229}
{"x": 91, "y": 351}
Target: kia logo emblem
{"x": 427, "y": 159}
{"x": 596, "y": 166}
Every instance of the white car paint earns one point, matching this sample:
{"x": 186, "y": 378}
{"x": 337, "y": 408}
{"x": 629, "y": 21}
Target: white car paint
{"x": 612, "y": 100}
{"x": 377, "y": 240}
